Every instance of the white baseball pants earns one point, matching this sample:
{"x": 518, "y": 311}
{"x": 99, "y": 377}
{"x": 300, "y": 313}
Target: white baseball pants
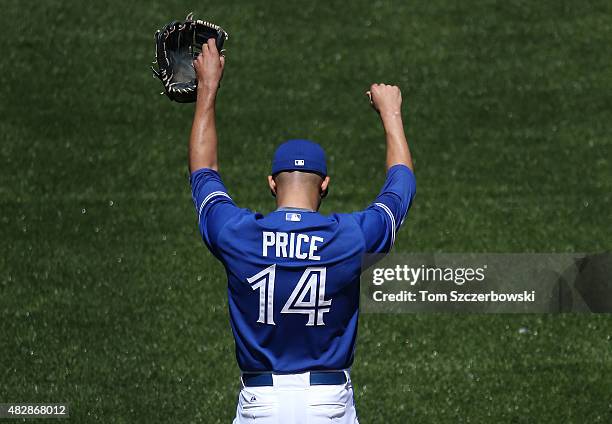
{"x": 292, "y": 400}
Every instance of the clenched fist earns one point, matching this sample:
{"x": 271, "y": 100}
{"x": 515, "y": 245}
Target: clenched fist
{"x": 386, "y": 99}
{"x": 209, "y": 66}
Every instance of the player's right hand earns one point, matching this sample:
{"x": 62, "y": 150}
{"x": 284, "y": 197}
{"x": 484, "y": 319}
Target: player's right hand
{"x": 385, "y": 99}
{"x": 209, "y": 66}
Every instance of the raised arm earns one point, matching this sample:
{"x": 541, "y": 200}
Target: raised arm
{"x": 381, "y": 221}
{"x": 387, "y": 101}
{"x": 203, "y": 141}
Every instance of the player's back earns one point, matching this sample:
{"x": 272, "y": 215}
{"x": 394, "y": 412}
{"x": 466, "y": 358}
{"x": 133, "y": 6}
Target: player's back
{"x": 293, "y": 275}
{"x": 304, "y": 269}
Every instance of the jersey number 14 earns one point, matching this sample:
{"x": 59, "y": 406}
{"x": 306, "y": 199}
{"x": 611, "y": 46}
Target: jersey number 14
{"x": 308, "y": 296}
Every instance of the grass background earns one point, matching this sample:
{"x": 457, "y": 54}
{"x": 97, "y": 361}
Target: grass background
{"x": 109, "y": 301}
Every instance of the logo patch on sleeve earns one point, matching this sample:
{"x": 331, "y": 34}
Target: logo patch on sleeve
{"x": 293, "y": 217}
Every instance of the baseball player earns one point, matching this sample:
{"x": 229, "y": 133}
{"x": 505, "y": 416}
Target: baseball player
{"x": 293, "y": 275}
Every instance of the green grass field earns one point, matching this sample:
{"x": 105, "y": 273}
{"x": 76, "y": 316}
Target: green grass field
{"x": 108, "y": 299}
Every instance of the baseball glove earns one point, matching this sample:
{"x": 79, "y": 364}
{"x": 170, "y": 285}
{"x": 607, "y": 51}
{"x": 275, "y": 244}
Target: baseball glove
{"x": 176, "y": 46}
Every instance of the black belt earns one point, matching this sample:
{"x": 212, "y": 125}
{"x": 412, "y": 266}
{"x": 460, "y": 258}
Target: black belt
{"x": 317, "y": 378}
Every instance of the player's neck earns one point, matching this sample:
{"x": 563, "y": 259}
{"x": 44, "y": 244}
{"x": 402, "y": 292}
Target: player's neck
{"x": 297, "y": 202}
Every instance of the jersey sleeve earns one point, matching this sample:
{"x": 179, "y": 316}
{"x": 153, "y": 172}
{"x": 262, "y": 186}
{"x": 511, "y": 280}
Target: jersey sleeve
{"x": 213, "y": 205}
{"x": 380, "y": 221}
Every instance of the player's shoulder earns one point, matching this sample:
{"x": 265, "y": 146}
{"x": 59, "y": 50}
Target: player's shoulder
{"x": 303, "y": 220}
{"x": 245, "y": 215}
{"x": 347, "y": 221}
{"x": 240, "y": 224}
{"x": 246, "y": 218}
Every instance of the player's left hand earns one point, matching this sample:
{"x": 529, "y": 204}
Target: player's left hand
{"x": 209, "y": 66}
{"x": 386, "y": 99}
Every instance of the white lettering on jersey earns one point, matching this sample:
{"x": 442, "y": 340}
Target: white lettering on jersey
{"x": 298, "y": 246}
{"x": 313, "y": 248}
{"x": 301, "y": 246}
{"x": 281, "y": 245}
{"x": 268, "y": 240}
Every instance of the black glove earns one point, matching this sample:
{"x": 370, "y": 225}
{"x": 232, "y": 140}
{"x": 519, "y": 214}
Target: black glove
{"x": 176, "y": 46}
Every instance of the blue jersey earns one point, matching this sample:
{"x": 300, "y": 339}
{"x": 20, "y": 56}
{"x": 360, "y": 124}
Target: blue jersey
{"x": 293, "y": 275}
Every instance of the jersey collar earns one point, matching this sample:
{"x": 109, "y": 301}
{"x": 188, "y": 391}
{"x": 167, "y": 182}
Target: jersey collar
{"x": 286, "y": 209}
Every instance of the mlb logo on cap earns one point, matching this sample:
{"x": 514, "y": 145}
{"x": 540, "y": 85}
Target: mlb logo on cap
{"x": 299, "y": 155}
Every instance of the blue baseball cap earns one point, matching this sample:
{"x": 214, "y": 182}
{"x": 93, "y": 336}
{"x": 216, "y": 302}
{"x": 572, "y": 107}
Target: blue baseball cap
{"x": 299, "y": 155}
